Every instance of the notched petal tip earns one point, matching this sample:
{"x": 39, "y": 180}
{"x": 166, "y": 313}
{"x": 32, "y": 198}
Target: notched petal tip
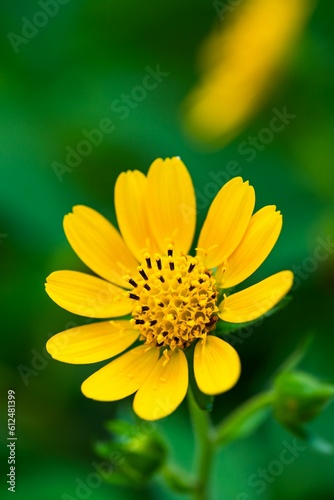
{"x": 256, "y": 300}
{"x": 227, "y": 220}
{"x": 288, "y": 277}
{"x": 92, "y": 343}
{"x": 52, "y": 278}
{"x": 50, "y": 348}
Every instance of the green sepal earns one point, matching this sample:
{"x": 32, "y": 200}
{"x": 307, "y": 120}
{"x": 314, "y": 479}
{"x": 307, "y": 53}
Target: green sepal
{"x": 120, "y": 428}
{"x": 225, "y": 328}
{"x": 134, "y": 452}
{"x": 299, "y": 398}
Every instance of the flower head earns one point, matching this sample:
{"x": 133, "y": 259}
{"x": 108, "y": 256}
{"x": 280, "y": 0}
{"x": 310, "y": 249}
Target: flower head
{"x": 174, "y": 299}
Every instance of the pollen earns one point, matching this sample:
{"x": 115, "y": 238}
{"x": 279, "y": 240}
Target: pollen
{"x": 175, "y": 300}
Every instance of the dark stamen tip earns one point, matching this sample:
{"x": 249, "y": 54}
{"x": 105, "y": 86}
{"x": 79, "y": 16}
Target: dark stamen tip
{"x": 171, "y": 266}
{"x": 147, "y": 287}
{"x": 145, "y": 308}
{"x": 170, "y": 252}
{"x": 133, "y": 296}
{"x": 148, "y": 262}
{"x": 162, "y": 279}
{"x": 161, "y": 304}
{"x": 153, "y": 322}
{"x": 191, "y": 268}
{"x": 140, "y": 322}
{"x": 212, "y": 321}
{"x": 143, "y": 274}
{"x": 132, "y": 282}
{"x": 158, "y": 261}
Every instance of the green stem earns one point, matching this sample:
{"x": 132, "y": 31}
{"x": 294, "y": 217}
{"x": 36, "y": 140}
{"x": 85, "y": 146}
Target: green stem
{"x": 176, "y": 479}
{"x": 204, "y": 448}
{"x": 237, "y": 424}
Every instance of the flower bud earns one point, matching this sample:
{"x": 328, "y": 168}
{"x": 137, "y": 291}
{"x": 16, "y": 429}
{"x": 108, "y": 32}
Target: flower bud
{"x": 299, "y": 398}
{"x": 140, "y": 451}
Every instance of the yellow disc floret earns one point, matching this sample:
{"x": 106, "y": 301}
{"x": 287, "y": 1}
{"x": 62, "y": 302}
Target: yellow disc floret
{"x": 176, "y": 300}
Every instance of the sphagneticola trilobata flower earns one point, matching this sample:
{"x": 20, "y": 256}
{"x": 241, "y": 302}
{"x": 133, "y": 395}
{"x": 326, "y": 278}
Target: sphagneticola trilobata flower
{"x": 164, "y": 300}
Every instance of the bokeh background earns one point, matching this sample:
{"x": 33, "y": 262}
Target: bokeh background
{"x": 64, "y": 79}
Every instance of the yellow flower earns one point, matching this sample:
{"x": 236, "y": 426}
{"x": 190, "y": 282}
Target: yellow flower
{"x": 171, "y": 296}
{"x": 240, "y": 64}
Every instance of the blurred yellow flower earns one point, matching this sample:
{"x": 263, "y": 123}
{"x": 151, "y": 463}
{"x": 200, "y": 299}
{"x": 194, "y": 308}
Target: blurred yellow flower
{"x": 240, "y": 63}
{"x": 174, "y": 298}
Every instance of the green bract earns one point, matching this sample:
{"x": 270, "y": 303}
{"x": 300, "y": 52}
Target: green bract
{"x": 299, "y": 398}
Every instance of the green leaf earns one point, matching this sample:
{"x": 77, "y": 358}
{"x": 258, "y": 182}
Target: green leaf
{"x": 320, "y": 444}
{"x": 119, "y": 427}
{"x": 297, "y": 355}
{"x": 245, "y": 420}
{"x": 317, "y": 443}
{"x": 176, "y": 480}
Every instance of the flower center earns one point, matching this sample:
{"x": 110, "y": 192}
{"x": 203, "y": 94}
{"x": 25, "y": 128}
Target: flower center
{"x": 176, "y": 300}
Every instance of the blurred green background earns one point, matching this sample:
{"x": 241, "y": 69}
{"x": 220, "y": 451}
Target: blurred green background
{"x": 63, "y": 80}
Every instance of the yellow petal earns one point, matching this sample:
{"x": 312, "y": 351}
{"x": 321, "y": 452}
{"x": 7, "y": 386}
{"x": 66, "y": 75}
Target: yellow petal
{"x": 241, "y": 61}
{"x": 171, "y": 204}
{"x": 87, "y": 295}
{"x": 216, "y": 365}
{"x": 164, "y": 389}
{"x": 256, "y": 300}
{"x": 258, "y": 241}
{"x": 99, "y": 245}
{"x": 130, "y": 204}
{"x": 92, "y": 343}
{"x": 226, "y": 222}
{"x": 121, "y": 377}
